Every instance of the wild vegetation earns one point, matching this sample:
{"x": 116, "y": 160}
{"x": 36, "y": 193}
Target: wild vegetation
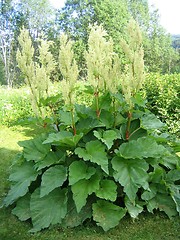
{"x": 74, "y": 20}
{"x": 106, "y": 143}
{"x": 133, "y": 168}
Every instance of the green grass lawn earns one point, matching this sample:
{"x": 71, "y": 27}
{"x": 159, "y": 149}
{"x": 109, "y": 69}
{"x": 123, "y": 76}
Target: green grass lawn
{"x": 147, "y": 227}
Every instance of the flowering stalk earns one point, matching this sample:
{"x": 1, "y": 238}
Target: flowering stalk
{"x": 133, "y": 77}
{"x": 102, "y": 64}
{"x": 36, "y": 74}
{"x": 69, "y": 70}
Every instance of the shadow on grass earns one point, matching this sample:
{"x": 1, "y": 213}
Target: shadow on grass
{"x": 6, "y": 160}
{"x": 147, "y": 227}
{"x": 10, "y": 227}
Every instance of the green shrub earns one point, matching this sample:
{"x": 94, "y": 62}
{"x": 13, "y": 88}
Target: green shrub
{"x": 163, "y": 98}
{"x": 14, "y": 105}
{"x": 97, "y": 173}
{"x": 104, "y": 159}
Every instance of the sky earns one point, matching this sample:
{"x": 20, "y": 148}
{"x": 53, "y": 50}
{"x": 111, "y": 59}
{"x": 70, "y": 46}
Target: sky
{"x": 57, "y": 3}
{"x": 169, "y": 11}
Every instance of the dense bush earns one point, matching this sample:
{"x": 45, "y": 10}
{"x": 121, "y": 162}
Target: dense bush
{"x": 14, "y": 105}
{"x": 161, "y": 91}
{"x": 104, "y": 159}
{"x": 163, "y": 98}
{"x": 97, "y": 173}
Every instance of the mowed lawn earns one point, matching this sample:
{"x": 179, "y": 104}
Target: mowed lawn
{"x": 147, "y": 227}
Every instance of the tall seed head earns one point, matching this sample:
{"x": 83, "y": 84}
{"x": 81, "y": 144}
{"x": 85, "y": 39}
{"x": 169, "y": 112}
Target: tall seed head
{"x": 68, "y": 68}
{"x": 133, "y": 77}
{"x": 37, "y": 74}
{"x": 101, "y": 60}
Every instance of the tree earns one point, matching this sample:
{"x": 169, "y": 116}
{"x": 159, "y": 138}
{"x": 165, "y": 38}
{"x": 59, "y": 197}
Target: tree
{"x": 34, "y": 16}
{"x": 158, "y": 44}
{"x": 37, "y": 14}
{"x": 6, "y": 38}
{"x": 2, "y": 73}
{"x": 75, "y": 17}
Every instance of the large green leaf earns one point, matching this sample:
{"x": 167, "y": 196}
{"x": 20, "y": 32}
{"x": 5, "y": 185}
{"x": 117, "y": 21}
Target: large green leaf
{"x": 161, "y": 137}
{"x": 73, "y": 218}
{"x": 135, "y": 131}
{"x": 141, "y": 148}
{"x": 22, "y": 209}
{"x": 64, "y": 139}
{"x": 80, "y": 170}
{"x": 107, "y": 137}
{"x": 173, "y": 175}
{"x": 176, "y": 145}
{"x": 84, "y": 111}
{"x": 106, "y": 118}
{"x": 105, "y": 101}
{"x": 66, "y": 117}
{"x": 50, "y": 159}
{"x": 50, "y": 209}
{"x": 163, "y": 201}
{"x": 56, "y": 138}
{"x": 151, "y": 205}
{"x": 139, "y": 100}
{"x": 134, "y": 209}
{"x": 95, "y": 152}
{"x": 166, "y": 204}
{"x": 107, "y": 190}
{"x": 87, "y": 124}
{"x": 175, "y": 194}
{"x": 22, "y": 177}
{"x": 119, "y": 119}
{"x": 52, "y": 178}
{"x": 107, "y": 215}
{"x": 34, "y": 149}
{"x": 150, "y": 122}
{"x": 170, "y": 161}
{"x": 51, "y": 100}
{"x": 83, "y": 188}
{"x": 157, "y": 175}
{"x": 150, "y": 193}
{"x": 131, "y": 174}
{"x": 176, "y": 199}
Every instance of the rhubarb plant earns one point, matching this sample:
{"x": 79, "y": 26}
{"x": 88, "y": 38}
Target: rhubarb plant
{"x": 105, "y": 160}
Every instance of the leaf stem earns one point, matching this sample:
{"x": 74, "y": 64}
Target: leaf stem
{"x": 72, "y": 115}
{"x": 134, "y": 131}
{"x": 96, "y": 94}
{"x": 73, "y": 123}
{"x": 114, "y": 111}
{"x": 128, "y": 125}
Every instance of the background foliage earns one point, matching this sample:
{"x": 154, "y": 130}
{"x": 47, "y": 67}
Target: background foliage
{"x": 15, "y": 105}
{"x": 74, "y": 19}
{"x": 163, "y": 99}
